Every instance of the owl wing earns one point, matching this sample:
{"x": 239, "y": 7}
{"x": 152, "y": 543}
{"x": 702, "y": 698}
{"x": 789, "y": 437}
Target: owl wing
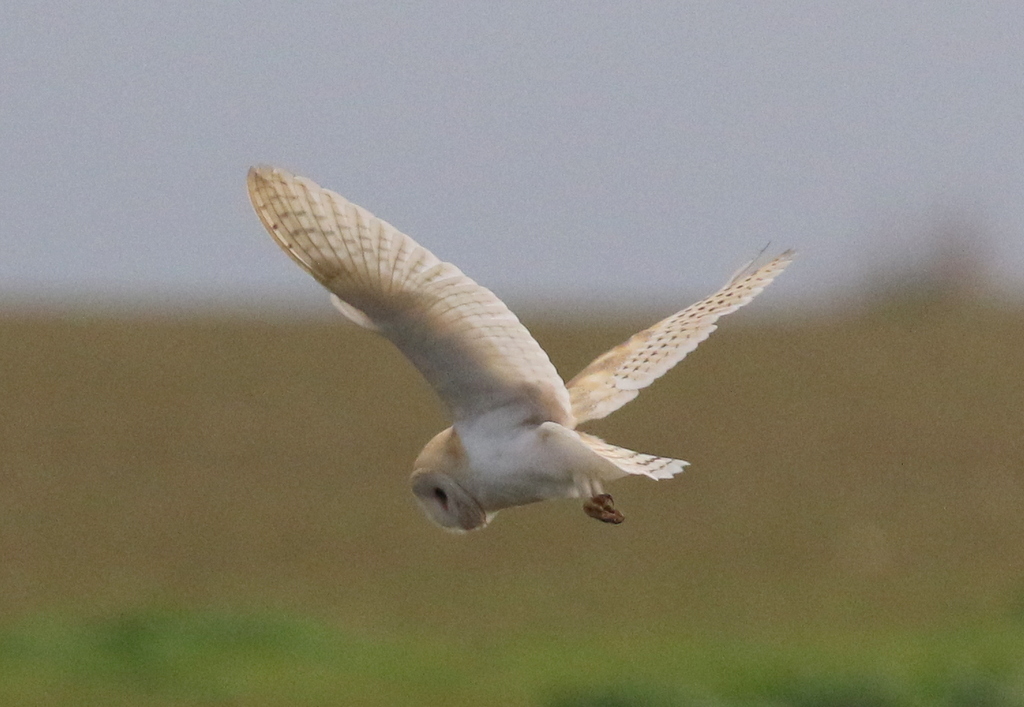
{"x": 617, "y": 376}
{"x": 462, "y": 338}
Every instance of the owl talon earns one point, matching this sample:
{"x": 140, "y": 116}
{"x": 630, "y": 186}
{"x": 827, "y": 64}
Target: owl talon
{"x": 602, "y": 508}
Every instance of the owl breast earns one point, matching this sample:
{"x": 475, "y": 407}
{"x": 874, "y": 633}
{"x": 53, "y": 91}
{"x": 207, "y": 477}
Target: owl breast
{"x": 513, "y": 464}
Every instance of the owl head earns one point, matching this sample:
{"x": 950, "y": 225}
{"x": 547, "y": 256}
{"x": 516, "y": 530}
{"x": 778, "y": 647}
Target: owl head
{"x": 446, "y": 503}
{"x": 434, "y": 483}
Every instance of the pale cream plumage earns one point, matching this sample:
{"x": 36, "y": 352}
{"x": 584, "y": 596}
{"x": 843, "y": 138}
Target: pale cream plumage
{"x": 461, "y": 337}
{"x": 513, "y": 439}
{"x": 617, "y": 376}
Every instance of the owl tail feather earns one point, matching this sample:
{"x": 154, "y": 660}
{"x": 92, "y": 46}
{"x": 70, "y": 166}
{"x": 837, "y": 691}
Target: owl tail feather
{"x": 631, "y": 462}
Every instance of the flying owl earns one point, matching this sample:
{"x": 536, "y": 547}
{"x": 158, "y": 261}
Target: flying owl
{"x": 513, "y": 438}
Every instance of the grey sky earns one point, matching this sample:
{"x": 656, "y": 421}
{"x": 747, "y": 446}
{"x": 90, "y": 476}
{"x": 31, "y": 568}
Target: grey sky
{"x": 613, "y": 150}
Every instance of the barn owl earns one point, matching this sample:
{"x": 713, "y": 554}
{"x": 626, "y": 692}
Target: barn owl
{"x": 513, "y": 438}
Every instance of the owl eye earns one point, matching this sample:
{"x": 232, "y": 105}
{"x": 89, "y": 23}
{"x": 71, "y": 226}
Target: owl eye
{"x": 446, "y": 503}
{"x": 441, "y": 496}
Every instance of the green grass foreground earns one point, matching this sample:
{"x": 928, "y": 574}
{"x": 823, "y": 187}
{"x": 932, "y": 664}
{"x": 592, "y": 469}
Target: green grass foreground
{"x": 163, "y": 657}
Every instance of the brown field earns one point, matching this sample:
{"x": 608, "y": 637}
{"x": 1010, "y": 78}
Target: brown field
{"x": 853, "y": 470}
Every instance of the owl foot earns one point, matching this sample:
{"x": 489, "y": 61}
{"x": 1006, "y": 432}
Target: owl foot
{"x": 601, "y": 507}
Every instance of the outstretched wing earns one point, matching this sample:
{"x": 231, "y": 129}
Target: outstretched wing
{"x": 462, "y": 338}
{"x": 617, "y": 376}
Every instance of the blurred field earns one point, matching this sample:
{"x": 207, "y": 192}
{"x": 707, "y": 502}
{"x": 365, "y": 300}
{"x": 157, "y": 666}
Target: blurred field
{"x": 854, "y": 500}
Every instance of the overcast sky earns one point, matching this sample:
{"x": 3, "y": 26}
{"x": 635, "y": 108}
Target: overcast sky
{"x": 605, "y": 151}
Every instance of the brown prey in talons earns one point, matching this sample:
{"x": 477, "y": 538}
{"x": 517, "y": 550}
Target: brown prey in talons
{"x": 602, "y": 507}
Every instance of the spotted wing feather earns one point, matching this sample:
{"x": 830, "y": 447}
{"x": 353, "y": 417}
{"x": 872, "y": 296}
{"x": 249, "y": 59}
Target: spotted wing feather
{"x": 617, "y": 376}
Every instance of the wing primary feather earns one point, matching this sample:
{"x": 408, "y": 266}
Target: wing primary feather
{"x": 465, "y": 341}
{"x": 617, "y": 376}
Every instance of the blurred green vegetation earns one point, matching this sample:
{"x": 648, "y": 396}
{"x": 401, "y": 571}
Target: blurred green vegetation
{"x": 164, "y": 657}
{"x": 216, "y": 511}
